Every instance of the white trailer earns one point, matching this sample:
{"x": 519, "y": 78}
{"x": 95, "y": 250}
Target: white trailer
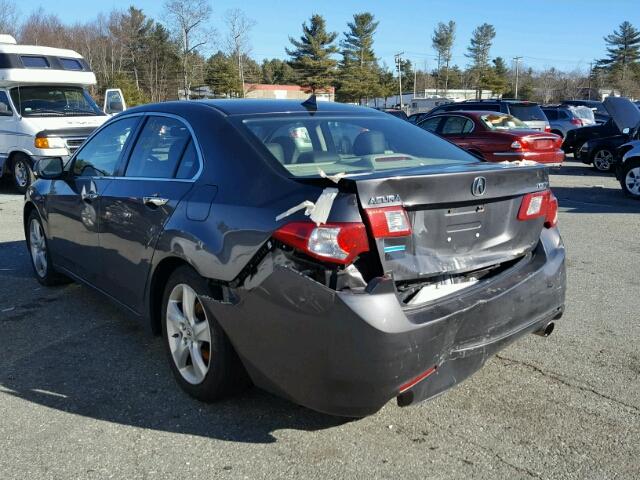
{"x": 45, "y": 109}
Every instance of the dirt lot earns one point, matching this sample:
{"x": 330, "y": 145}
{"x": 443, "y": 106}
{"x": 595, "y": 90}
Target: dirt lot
{"x": 85, "y": 392}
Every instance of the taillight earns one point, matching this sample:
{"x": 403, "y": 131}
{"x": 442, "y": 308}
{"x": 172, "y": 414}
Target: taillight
{"x": 576, "y": 121}
{"x": 333, "y": 242}
{"x": 547, "y": 129}
{"x": 540, "y": 204}
{"x": 389, "y": 222}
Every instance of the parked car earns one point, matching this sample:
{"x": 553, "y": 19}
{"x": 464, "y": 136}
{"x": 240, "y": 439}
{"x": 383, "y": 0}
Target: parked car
{"x": 529, "y": 112}
{"x": 600, "y": 113}
{"x": 496, "y": 137}
{"x": 418, "y": 117}
{"x": 45, "y": 108}
{"x": 565, "y": 118}
{"x": 627, "y": 168}
{"x": 396, "y": 113}
{"x": 601, "y": 152}
{"x": 340, "y": 279}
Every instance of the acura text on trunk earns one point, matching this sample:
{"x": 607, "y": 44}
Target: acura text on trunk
{"x": 334, "y": 255}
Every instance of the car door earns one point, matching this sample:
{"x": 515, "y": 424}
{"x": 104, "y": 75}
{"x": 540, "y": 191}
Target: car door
{"x": 7, "y": 128}
{"x": 160, "y": 170}
{"x": 74, "y": 203}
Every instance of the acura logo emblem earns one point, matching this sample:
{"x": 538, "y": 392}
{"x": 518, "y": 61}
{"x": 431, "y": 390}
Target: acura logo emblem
{"x": 479, "y": 186}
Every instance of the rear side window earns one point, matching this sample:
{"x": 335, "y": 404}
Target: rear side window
{"x": 100, "y": 155}
{"x": 159, "y": 149}
{"x": 527, "y": 112}
{"x": 190, "y": 164}
{"x": 455, "y": 125}
{"x": 71, "y": 64}
{"x": 34, "y": 62}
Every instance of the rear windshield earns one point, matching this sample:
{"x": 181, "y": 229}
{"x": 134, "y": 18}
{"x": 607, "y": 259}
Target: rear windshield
{"x": 527, "y": 112}
{"x": 305, "y": 145}
{"x": 502, "y": 121}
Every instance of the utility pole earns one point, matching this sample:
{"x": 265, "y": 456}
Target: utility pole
{"x": 590, "y": 74}
{"x": 240, "y": 71}
{"x": 398, "y": 58}
{"x": 517, "y": 60}
{"x": 415, "y": 79}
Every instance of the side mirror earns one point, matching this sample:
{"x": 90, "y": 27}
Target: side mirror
{"x": 115, "y": 107}
{"x": 626, "y": 130}
{"x": 50, "y": 168}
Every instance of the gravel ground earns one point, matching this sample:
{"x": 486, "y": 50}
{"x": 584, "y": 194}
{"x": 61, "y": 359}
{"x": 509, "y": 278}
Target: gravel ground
{"x": 85, "y": 391}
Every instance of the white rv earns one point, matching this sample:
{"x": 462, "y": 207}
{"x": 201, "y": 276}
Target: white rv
{"x": 45, "y": 109}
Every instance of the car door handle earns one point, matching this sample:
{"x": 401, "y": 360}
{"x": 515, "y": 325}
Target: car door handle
{"x": 154, "y": 201}
{"x": 89, "y": 197}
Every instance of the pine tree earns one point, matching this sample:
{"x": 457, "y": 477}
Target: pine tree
{"x": 623, "y": 48}
{"x": 311, "y": 57}
{"x": 443, "y": 37}
{"x": 478, "y": 52}
{"x": 358, "y": 68}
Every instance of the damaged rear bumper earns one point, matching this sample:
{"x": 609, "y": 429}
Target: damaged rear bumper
{"x": 348, "y": 354}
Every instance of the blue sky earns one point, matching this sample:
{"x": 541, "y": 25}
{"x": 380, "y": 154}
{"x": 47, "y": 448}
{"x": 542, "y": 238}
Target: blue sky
{"x": 563, "y": 33}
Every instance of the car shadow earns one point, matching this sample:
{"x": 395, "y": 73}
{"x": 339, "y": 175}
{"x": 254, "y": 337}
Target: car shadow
{"x": 573, "y": 168}
{"x": 595, "y": 200}
{"x": 70, "y": 349}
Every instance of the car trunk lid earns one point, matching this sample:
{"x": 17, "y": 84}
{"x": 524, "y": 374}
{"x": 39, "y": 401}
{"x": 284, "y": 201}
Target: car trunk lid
{"x": 456, "y": 225}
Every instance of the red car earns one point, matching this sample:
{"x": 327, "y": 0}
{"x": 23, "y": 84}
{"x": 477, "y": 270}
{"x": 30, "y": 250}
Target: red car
{"x": 496, "y": 136}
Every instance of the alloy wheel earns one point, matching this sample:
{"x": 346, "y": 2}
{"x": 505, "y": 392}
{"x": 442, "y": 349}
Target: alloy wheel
{"x": 38, "y": 248}
{"x": 188, "y": 334}
{"x": 21, "y": 173}
{"x": 632, "y": 181}
{"x": 602, "y": 160}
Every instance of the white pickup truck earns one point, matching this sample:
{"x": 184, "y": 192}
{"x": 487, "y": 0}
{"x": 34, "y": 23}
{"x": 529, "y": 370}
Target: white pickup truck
{"x": 45, "y": 109}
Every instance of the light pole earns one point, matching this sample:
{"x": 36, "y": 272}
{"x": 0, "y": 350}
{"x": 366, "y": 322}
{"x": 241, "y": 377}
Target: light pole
{"x": 398, "y": 58}
{"x": 240, "y": 72}
{"x": 517, "y": 60}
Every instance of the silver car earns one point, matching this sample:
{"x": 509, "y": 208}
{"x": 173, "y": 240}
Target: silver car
{"x": 564, "y": 118}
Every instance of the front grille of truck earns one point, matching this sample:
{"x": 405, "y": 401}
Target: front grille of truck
{"x": 74, "y": 143}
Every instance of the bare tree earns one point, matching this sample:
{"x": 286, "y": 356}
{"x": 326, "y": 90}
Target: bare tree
{"x": 188, "y": 20}
{"x": 237, "y": 40}
{"x": 9, "y": 16}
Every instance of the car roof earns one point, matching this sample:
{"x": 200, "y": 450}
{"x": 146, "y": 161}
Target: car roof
{"x": 470, "y": 113}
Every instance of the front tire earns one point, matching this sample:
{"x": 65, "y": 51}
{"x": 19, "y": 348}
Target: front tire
{"x": 630, "y": 179}
{"x": 200, "y": 355}
{"x": 21, "y": 172}
{"x": 38, "y": 246}
{"x": 602, "y": 159}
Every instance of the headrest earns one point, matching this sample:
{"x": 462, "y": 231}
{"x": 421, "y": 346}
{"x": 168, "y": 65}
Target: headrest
{"x": 276, "y": 150}
{"x": 316, "y": 157}
{"x": 369, "y": 143}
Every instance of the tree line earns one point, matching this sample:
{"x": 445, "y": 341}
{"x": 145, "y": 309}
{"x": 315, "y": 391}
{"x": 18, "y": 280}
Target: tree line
{"x": 153, "y": 60}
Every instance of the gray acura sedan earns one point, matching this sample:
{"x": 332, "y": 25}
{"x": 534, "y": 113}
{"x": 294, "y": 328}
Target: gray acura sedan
{"x": 334, "y": 255}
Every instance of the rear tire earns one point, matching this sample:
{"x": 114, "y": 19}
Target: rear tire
{"x": 201, "y": 357}
{"x": 21, "y": 172}
{"x": 38, "y": 246}
{"x": 602, "y": 159}
{"x": 630, "y": 179}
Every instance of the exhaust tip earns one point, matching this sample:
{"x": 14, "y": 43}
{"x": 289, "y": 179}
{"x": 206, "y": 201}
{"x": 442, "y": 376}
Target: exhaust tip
{"x": 546, "y": 330}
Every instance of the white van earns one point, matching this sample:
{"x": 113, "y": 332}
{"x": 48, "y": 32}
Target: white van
{"x": 45, "y": 109}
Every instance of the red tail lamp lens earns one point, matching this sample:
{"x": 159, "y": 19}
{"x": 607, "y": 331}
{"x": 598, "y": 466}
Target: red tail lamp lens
{"x": 333, "y": 242}
{"x": 389, "y": 222}
{"x": 540, "y": 204}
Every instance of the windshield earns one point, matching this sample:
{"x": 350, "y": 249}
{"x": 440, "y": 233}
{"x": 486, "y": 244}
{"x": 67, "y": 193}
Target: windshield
{"x": 502, "y": 121}
{"x": 527, "y": 112}
{"x": 307, "y": 146}
{"x": 54, "y": 101}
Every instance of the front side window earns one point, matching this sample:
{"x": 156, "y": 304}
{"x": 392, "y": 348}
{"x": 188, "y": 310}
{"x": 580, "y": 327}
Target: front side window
{"x": 101, "y": 154}
{"x": 54, "y": 101}
{"x": 306, "y": 145}
{"x": 5, "y": 108}
{"x": 161, "y": 146}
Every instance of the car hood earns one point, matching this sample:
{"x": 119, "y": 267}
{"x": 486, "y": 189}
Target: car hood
{"x": 623, "y": 112}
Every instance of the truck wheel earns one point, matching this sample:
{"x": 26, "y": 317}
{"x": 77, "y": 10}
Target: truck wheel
{"x": 630, "y": 179}
{"x": 602, "y": 159}
{"x": 21, "y": 172}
